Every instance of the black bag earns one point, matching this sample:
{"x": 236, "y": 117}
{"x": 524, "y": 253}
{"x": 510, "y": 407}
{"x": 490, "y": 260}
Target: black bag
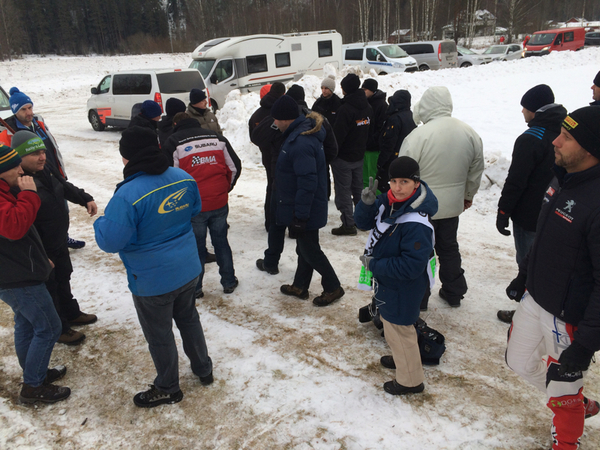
{"x": 431, "y": 343}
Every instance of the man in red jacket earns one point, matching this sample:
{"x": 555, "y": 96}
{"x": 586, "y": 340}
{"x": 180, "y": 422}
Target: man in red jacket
{"x": 24, "y": 267}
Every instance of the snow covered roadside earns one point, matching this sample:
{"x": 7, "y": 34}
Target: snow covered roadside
{"x": 289, "y": 375}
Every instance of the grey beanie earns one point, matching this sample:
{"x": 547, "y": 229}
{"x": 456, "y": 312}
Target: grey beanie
{"x": 328, "y": 83}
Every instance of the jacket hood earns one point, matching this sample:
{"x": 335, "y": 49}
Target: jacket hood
{"x": 306, "y": 125}
{"x": 357, "y": 99}
{"x": 549, "y": 116}
{"x": 435, "y": 102}
{"x": 377, "y": 96}
{"x": 165, "y": 123}
{"x": 424, "y": 201}
{"x": 268, "y": 100}
{"x": 399, "y": 101}
{"x": 186, "y": 124}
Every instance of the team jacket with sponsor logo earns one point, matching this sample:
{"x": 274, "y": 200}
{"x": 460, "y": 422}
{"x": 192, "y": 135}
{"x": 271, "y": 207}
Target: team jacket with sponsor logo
{"x": 563, "y": 267}
{"x": 149, "y": 222}
{"x": 209, "y": 158}
{"x": 351, "y": 126}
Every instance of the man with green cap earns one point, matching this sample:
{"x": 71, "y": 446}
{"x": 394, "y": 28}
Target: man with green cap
{"x": 52, "y": 222}
{"x": 24, "y": 269}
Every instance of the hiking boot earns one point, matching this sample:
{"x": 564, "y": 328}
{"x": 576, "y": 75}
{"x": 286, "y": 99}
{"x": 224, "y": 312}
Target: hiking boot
{"x": 295, "y": 291}
{"x": 210, "y": 258}
{"x": 75, "y": 244}
{"x": 46, "y": 393}
{"x": 71, "y": 337}
{"x": 154, "y": 397}
{"x": 452, "y": 301}
{"x": 395, "y": 388}
{"x": 387, "y": 361}
{"x": 506, "y": 316}
{"x": 344, "y": 231}
{"x": 208, "y": 379}
{"x": 230, "y": 289}
{"x": 327, "y": 298}
{"x": 84, "y": 319}
{"x": 54, "y": 374}
{"x": 260, "y": 263}
{"x": 591, "y": 407}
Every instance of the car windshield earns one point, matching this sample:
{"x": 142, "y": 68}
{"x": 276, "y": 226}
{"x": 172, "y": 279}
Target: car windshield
{"x": 203, "y": 65}
{"x": 495, "y": 50}
{"x": 4, "y": 103}
{"x": 392, "y": 51}
{"x": 542, "y": 39}
{"x": 465, "y": 51}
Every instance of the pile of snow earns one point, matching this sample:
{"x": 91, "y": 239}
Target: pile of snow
{"x": 289, "y": 375}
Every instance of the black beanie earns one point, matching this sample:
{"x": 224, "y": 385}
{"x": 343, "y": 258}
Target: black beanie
{"x": 404, "y": 167}
{"x": 277, "y": 89}
{"x": 137, "y": 138}
{"x": 285, "y": 108}
{"x": 584, "y": 126}
{"x": 174, "y": 106}
{"x": 536, "y": 97}
{"x": 370, "y": 84}
{"x": 350, "y": 83}
{"x": 151, "y": 109}
{"x": 196, "y": 96}
{"x": 597, "y": 79}
{"x": 296, "y": 92}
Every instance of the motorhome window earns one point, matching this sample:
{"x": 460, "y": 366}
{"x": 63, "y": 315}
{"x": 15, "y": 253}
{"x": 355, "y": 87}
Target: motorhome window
{"x": 569, "y": 36}
{"x": 393, "y": 51}
{"x": 104, "y": 85}
{"x": 542, "y": 39}
{"x": 282, "y": 60}
{"x": 179, "y": 82}
{"x": 256, "y": 63}
{"x": 325, "y": 49}
{"x": 297, "y": 47}
{"x": 354, "y": 54}
{"x": 224, "y": 70}
{"x": 203, "y": 65}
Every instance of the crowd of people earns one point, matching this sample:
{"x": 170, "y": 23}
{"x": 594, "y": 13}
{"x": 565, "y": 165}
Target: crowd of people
{"x": 406, "y": 185}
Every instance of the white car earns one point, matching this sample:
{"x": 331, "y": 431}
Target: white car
{"x": 468, "y": 58}
{"x": 503, "y": 52}
{"x": 118, "y": 95}
{"x": 5, "y": 110}
{"x": 383, "y": 58}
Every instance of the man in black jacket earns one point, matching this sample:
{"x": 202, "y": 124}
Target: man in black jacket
{"x": 398, "y": 125}
{"x": 52, "y": 223}
{"x": 556, "y": 328}
{"x": 148, "y": 117}
{"x": 351, "y": 132}
{"x": 596, "y": 91}
{"x": 377, "y": 100}
{"x": 328, "y": 103}
{"x": 530, "y": 171}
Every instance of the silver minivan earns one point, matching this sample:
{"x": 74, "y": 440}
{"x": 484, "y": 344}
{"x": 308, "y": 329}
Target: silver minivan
{"x": 432, "y": 54}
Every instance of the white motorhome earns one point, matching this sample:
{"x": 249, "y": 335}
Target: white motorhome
{"x": 380, "y": 56}
{"x": 249, "y": 62}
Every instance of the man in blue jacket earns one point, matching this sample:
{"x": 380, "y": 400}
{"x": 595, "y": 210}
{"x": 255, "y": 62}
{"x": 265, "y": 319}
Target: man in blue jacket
{"x": 149, "y": 222}
{"x": 301, "y": 178}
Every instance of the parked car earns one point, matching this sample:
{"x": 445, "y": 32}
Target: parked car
{"x": 113, "y": 100}
{"x": 556, "y": 40}
{"x": 503, "y": 52}
{"x": 432, "y": 54}
{"x": 382, "y": 57}
{"x": 468, "y": 58}
{"x": 5, "y": 110}
{"x": 592, "y": 38}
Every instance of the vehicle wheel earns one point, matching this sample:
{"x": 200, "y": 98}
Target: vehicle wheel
{"x": 214, "y": 106}
{"x": 423, "y": 67}
{"x": 94, "y": 119}
{"x": 382, "y": 73}
{"x": 466, "y": 64}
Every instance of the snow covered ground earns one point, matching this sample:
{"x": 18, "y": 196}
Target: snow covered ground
{"x": 289, "y": 375}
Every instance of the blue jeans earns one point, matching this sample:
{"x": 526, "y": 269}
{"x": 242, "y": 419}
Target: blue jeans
{"x": 37, "y": 328}
{"x": 216, "y": 222}
{"x": 523, "y": 241}
{"x": 156, "y": 315}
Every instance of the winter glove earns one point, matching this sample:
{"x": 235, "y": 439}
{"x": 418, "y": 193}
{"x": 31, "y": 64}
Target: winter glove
{"x": 298, "y": 226}
{"x": 574, "y": 358}
{"x": 365, "y": 260}
{"x": 502, "y": 223}
{"x": 369, "y": 194}
{"x": 516, "y": 288}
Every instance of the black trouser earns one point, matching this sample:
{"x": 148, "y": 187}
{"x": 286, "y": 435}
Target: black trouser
{"x": 310, "y": 258}
{"x": 59, "y": 287}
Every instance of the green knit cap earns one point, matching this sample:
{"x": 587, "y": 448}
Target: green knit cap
{"x": 9, "y": 159}
{"x": 26, "y": 142}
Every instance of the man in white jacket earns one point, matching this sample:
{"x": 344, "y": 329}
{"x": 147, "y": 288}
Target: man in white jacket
{"x": 450, "y": 155}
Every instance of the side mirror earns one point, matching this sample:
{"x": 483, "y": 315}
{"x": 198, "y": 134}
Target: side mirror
{"x": 94, "y": 90}
{"x": 213, "y": 78}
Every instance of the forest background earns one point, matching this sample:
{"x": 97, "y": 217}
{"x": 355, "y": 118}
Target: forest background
{"x": 84, "y": 27}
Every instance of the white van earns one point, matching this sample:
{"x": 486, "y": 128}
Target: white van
{"x": 432, "y": 54}
{"x": 249, "y": 62}
{"x": 384, "y": 58}
{"x": 113, "y": 100}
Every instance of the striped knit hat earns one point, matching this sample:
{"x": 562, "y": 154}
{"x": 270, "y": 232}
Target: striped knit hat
{"x": 9, "y": 158}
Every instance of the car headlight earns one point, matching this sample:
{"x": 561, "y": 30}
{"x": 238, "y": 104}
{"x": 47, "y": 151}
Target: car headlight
{"x": 546, "y": 48}
{"x": 398, "y": 66}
